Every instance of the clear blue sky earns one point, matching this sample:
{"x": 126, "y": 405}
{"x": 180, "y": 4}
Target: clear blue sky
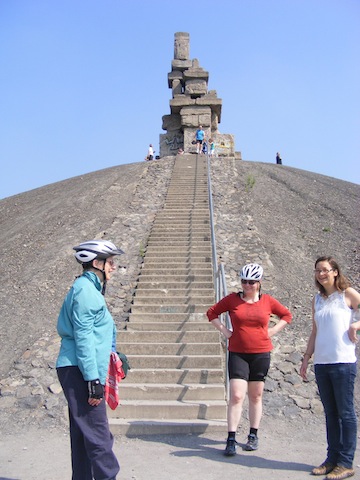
{"x": 83, "y": 83}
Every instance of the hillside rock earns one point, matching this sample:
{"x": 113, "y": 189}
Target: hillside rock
{"x": 279, "y": 216}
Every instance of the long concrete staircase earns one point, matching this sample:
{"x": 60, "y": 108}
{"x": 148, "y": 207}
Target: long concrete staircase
{"x": 176, "y": 383}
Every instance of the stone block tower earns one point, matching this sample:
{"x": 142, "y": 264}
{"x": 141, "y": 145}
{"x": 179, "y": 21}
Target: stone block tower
{"x": 192, "y": 105}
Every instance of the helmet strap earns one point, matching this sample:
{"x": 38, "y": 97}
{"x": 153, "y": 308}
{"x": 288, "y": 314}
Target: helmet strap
{"x": 104, "y": 276}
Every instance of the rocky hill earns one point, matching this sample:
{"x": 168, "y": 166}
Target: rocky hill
{"x": 279, "y": 216}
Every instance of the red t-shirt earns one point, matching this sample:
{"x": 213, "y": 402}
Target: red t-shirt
{"x": 250, "y": 321}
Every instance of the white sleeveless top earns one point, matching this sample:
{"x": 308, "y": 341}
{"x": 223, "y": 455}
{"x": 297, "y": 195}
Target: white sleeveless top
{"x": 332, "y": 318}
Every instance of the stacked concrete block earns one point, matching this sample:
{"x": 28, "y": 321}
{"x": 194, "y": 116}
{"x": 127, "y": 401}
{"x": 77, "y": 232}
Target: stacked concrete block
{"x": 191, "y": 105}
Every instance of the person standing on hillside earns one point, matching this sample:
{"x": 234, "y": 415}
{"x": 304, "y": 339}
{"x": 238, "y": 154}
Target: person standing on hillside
{"x": 249, "y": 349}
{"x": 199, "y": 138}
{"x": 212, "y": 147}
{"x": 332, "y": 341}
{"x": 88, "y": 336}
{"x": 151, "y": 151}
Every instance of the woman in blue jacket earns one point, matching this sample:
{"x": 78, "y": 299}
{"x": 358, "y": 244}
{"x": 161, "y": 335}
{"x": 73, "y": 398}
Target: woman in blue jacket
{"x": 88, "y": 336}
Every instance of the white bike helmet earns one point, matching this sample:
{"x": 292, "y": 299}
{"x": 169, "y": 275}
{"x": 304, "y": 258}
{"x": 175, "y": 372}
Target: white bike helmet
{"x": 252, "y": 271}
{"x": 88, "y": 251}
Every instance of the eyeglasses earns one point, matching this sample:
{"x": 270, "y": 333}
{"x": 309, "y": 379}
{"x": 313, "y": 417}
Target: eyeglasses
{"x": 250, "y": 282}
{"x": 324, "y": 270}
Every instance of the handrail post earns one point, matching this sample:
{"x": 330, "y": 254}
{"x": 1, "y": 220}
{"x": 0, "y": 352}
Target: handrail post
{"x": 213, "y": 242}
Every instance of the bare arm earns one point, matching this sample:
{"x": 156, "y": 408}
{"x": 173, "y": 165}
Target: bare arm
{"x": 277, "y": 328}
{"x": 221, "y": 327}
{"x": 310, "y": 347}
{"x": 352, "y": 298}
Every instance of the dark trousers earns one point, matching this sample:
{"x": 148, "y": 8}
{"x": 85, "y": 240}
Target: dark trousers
{"x": 91, "y": 439}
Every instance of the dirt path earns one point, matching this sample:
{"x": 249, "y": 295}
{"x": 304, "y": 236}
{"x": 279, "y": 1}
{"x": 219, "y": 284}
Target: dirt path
{"x": 287, "y": 452}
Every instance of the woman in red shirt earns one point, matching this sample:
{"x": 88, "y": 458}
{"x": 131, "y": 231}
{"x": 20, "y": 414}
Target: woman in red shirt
{"x": 249, "y": 345}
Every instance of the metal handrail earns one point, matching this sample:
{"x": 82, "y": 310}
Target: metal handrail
{"x": 218, "y": 276}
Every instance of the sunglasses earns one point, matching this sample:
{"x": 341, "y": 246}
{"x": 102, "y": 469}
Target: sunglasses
{"x": 250, "y": 282}
{"x": 110, "y": 262}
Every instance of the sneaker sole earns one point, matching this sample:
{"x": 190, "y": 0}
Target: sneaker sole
{"x": 250, "y": 449}
{"x": 229, "y": 454}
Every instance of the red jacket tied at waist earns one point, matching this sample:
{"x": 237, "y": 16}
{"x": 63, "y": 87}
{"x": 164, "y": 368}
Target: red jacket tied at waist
{"x": 114, "y": 377}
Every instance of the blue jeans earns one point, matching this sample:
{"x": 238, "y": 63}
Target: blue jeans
{"x": 336, "y": 387}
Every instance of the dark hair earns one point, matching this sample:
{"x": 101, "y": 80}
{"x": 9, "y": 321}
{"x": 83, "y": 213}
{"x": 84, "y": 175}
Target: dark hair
{"x": 341, "y": 282}
{"x": 89, "y": 265}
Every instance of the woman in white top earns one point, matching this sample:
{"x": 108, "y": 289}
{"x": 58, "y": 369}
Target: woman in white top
{"x": 332, "y": 341}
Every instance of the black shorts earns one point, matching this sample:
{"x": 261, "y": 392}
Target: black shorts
{"x": 252, "y": 367}
{"x": 199, "y": 141}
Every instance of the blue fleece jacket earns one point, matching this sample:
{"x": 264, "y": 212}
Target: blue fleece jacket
{"x": 86, "y": 328}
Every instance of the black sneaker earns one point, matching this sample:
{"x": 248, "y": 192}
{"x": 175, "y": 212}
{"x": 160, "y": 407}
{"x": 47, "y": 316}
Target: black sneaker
{"x": 252, "y": 443}
{"x": 230, "y": 449}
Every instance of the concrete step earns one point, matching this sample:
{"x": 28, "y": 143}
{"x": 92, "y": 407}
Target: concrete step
{"x": 133, "y": 427}
{"x": 172, "y": 218}
{"x": 187, "y": 231}
{"x": 174, "y": 261}
{"x": 165, "y": 269}
{"x": 181, "y": 222}
{"x": 175, "y": 361}
{"x": 168, "y": 300}
{"x": 185, "y": 193}
{"x": 188, "y": 182}
{"x": 185, "y": 318}
{"x": 203, "y": 273}
{"x": 166, "y": 349}
{"x": 171, "y": 391}
{"x": 174, "y": 292}
{"x": 169, "y": 285}
{"x": 180, "y": 225}
{"x": 163, "y": 280}
{"x": 194, "y": 216}
{"x": 191, "y": 308}
{"x": 177, "y": 238}
{"x": 176, "y": 381}
{"x": 156, "y": 260}
{"x": 169, "y": 337}
{"x": 184, "y": 226}
{"x": 187, "y": 198}
{"x": 188, "y": 208}
{"x": 168, "y": 326}
{"x": 188, "y": 190}
{"x": 161, "y": 224}
{"x": 167, "y": 409}
{"x": 169, "y": 265}
{"x": 179, "y": 242}
{"x": 175, "y": 376}
{"x": 178, "y": 253}
{"x": 169, "y": 260}
{"x": 180, "y": 279}
{"x": 200, "y": 207}
{"x": 184, "y": 181}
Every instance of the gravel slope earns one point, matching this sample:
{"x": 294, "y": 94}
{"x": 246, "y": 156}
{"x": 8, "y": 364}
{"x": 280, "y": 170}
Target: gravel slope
{"x": 293, "y": 215}
{"x": 283, "y": 216}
